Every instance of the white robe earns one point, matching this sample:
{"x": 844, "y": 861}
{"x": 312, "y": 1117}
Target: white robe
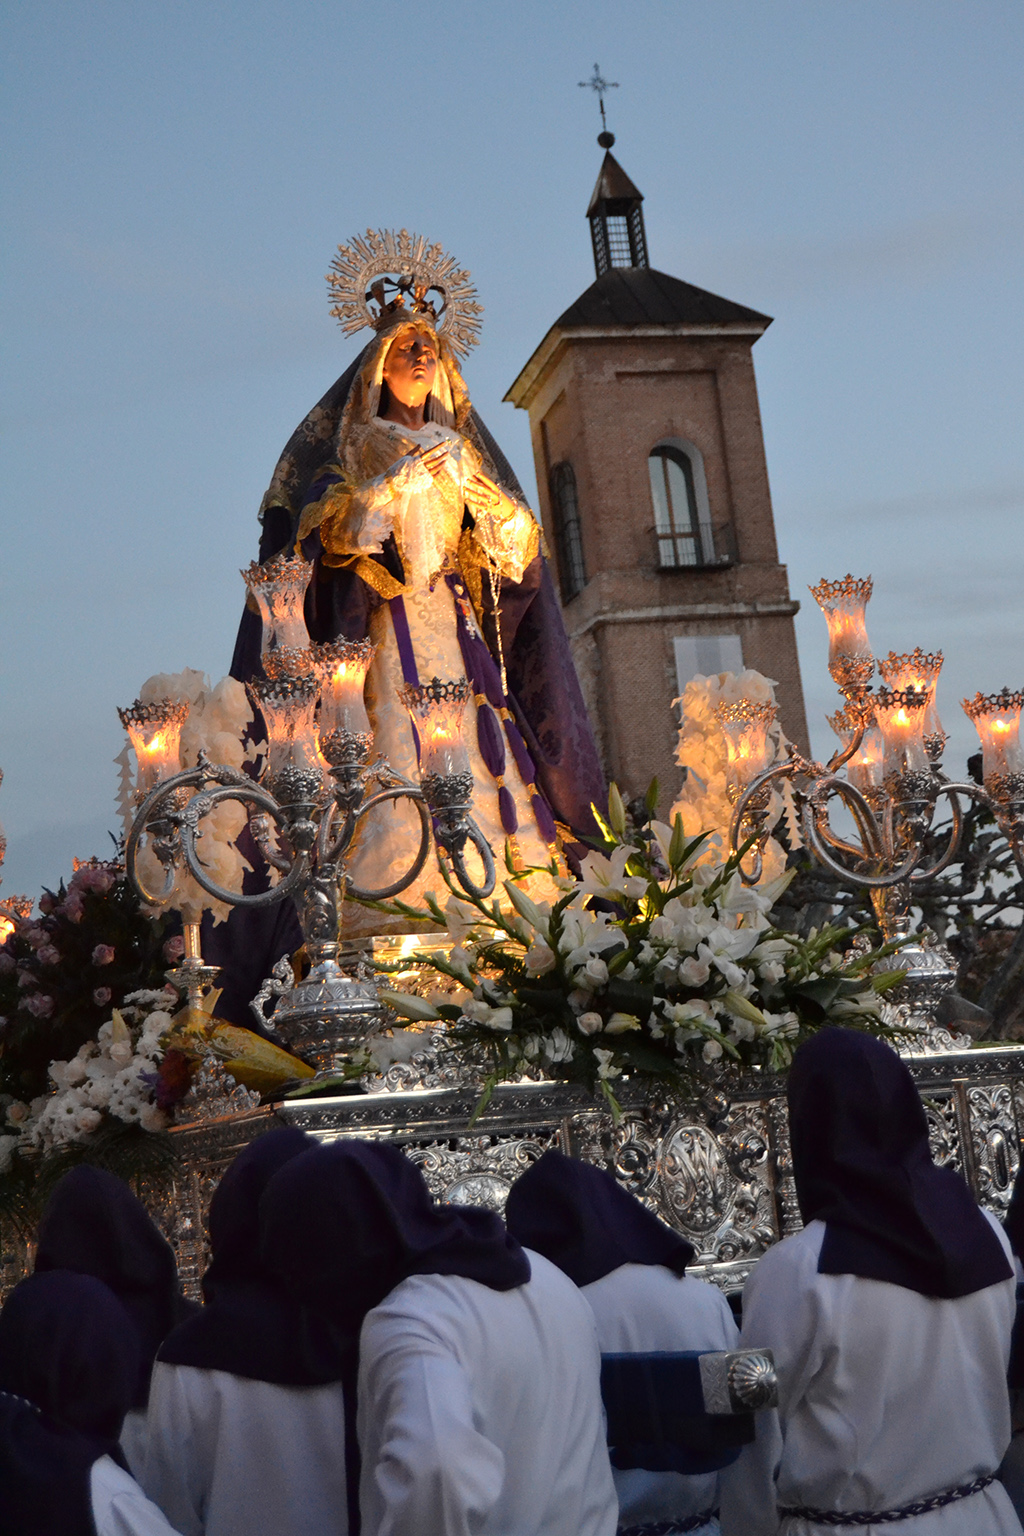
{"x": 640, "y": 1307}
{"x": 480, "y": 1411}
{"x": 133, "y": 1441}
{"x": 885, "y": 1396}
{"x": 227, "y": 1456}
{"x": 119, "y": 1506}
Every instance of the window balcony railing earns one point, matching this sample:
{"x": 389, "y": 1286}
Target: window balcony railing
{"x": 708, "y": 550}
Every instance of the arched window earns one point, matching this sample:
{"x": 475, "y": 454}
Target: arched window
{"x": 682, "y": 517}
{"x": 565, "y": 512}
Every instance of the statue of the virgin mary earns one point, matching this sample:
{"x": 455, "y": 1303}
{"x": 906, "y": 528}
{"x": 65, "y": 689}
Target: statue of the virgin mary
{"x": 422, "y": 541}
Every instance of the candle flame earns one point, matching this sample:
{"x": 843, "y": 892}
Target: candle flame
{"x": 6, "y": 928}
{"x": 159, "y": 745}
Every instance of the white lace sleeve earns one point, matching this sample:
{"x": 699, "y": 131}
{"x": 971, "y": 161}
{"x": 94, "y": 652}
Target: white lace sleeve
{"x": 378, "y": 504}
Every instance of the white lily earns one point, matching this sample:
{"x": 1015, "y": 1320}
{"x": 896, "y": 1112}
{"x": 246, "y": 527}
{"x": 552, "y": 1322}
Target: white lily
{"x": 607, "y": 877}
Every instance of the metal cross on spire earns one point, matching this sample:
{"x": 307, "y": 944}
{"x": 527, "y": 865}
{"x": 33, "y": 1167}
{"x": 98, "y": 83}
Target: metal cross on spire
{"x": 598, "y": 83}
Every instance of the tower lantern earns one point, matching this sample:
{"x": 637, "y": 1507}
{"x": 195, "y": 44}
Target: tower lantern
{"x": 616, "y": 217}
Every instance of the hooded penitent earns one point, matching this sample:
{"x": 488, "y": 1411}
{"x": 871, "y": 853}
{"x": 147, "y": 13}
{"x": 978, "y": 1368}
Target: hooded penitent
{"x": 94, "y": 1225}
{"x": 69, "y": 1361}
{"x": 249, "y": 1327}
{"x": 344, "y": 1224}
{"x": 581, "y": 1218}
{"x": 863, "y": 1166}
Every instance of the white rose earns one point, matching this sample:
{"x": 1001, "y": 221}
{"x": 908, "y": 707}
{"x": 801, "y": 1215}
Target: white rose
{"x": 540, "y": 958}
{"x": 88, "y": 1120}
{"x": 712, "y": 1050}
{"x": 17, "y": 1113}
{"x": 694, "y": 972}
{"x": 590, "y": 1023}
{"x": 121, "y": 1053}
{"x": 501, "y": 1018}
{"x": 595, "y": 973}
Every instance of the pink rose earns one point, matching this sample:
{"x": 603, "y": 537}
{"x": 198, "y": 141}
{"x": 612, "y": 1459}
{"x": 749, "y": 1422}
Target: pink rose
{"x": 47, "y": 902}
{"x": 35, "y": 936}
{"x": 174, "y": 948}
{"x": 8, "y": 964}
{"x": 48, "y": 955}
{"x": 41, "y": 1004}
{"x": 74, "y": 908}
{"x": 103, "y": 954}
{"x": 93, "y": 877}
{"x": 101, "y": 996}
{"x": 26, "y": 979}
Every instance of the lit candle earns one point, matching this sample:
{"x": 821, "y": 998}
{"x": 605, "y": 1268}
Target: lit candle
{"x": 436, "y": 711}
{"x": 748, "y": 745}
{"x": 864, "y": 768}
{"x": 288, "y": 706}
{"x": 342, "y": 666}
{"x": 920, "y": 670}
{"x": 154, "y": 731}
{"x": 843, "y": 603}
{"x": 899, "y": 714}
{"x": 996, "y": 719}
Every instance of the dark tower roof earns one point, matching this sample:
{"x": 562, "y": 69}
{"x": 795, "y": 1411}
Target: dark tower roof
{"x": 612, "y": 186}
{"x": 640, "y": 296}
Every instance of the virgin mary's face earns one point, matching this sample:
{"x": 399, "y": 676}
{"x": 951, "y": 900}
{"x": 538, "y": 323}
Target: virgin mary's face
{"x": 410, "y": 367}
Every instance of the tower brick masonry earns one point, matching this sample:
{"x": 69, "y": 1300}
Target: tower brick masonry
{"x": 654, "y": 495}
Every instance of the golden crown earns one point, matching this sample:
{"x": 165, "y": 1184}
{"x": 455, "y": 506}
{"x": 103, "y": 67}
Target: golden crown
{"x": 381, "y": 276}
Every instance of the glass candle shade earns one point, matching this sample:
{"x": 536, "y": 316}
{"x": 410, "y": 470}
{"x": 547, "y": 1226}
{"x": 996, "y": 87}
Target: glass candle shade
{"x": 864, "y": 768}
{"x": 288, "y": 706}
{"x": 278, "y": 588}
{"x": 843, "y": 603}
{"x": 154, "y": 731}
{"x": 342, "y": 666}
{"x": 996, "y": 718}
{"x": 917, "y": 669}
{"x": 436, "y": 710}
{"x": 899, "y": 715}
{"x": 750, "y": 749}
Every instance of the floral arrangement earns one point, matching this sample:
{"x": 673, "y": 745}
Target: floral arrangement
{"x": 115, "y": 1074}
{"x": 217, "y": 723}
{"x": 701, "y": 750}
{"x": 62, "y": 972}
{"x": 652, "y": 964}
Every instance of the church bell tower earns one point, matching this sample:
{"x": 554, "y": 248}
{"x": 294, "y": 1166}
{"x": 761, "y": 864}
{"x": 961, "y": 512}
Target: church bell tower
{"x": 654, "y": 493}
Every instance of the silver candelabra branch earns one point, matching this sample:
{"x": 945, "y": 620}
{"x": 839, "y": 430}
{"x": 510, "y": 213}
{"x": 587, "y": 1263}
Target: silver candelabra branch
{"x": 891, "y": 749}
{"x": 320, "y": 781}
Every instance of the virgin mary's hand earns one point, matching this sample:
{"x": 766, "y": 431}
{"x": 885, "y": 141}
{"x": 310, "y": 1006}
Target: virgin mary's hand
{"x": 482, "y": 495}
{"x": 434, "y": 459}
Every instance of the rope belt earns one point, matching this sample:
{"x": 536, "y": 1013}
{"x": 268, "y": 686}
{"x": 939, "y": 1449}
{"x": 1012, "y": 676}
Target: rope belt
{"x": 886, "y": 1516}
{"x": 670, "y": 1527}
